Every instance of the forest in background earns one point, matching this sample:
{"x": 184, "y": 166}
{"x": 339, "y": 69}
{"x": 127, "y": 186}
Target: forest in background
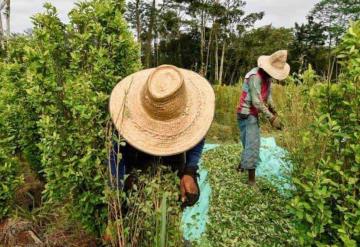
{"x": 218, "y": 39}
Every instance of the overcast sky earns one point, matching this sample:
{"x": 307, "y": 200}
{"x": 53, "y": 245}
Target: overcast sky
{"x": 280, "y": 13}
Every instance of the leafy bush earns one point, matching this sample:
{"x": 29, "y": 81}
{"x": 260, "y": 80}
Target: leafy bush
{"x": 153, "y": 211}
{"x": 55, "y": 85}
{"x": 10, "y": 180}
{"x": 9, "y": 165}
{"x": 309, "y": 76}
{"x": 326, "y": 204}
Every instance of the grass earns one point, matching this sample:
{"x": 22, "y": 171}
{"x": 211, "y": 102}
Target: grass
{"x": 224, "y": 128}
{"x": 291, "y": 104}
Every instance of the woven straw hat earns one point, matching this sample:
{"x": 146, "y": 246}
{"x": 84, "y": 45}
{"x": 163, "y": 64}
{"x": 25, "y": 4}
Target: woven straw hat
{"x": 163, "y": 111}
{"x": 275, "y": 65}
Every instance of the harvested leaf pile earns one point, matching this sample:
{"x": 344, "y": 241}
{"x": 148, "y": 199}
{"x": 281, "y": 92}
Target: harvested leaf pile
{"x": 240, "y": 215}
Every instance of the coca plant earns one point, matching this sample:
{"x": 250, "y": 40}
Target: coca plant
{"x": 326, "y": 202}
{"x": 66, "y": 74}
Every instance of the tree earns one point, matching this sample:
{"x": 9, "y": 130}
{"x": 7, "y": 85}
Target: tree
{"x": 198, "y": 10}
{"x": 335, "y": 17}
{"x": 308, "y": 46}
{"x": 245, "y": 49}
{"x": 230, "y": 21}
{"x": 135, "y": 8}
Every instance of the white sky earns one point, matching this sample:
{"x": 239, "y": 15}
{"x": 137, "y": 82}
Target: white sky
{"x": 281, "y": 13}
{"x": 277, "y": 12}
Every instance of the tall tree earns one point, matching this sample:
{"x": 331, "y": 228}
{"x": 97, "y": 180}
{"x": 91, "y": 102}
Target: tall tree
{"x": 198, "y": 10}
{"x": 230, "y": 21}
{"x": 335, "y": 16}
{"x": 308, "y": 45}
{"x": 194, "y": 34}
{"x": 149, "y": 35}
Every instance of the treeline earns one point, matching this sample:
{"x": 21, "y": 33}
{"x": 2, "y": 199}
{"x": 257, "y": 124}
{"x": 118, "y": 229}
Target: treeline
{"x": 218, "y": 39}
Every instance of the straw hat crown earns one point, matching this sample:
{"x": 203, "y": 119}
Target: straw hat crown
{"x": 275, "y": 65}
{"x": 278, "y": 59}
{"x": 163, "y": 111}
{"x": 165, "y": 93}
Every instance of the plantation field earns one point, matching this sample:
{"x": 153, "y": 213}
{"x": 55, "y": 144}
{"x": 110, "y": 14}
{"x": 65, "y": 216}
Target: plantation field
{"x": 56, "y": 133}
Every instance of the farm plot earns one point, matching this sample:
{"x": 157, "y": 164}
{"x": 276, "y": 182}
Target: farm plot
{"x": 240, "y": 215}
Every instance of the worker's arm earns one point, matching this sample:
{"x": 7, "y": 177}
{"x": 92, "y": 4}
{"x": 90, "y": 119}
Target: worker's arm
{"x": 270, "y": 103}
{"x": 193, "y": 155}
{"x": 255, "y": 92}
{"x": 116, "y": 165}
{"x": 189, "y": 187}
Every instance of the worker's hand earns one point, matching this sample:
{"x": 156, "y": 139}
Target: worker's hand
{"x": 189, "y": 190}
{"x": 276, "y": 123}
{"x": 272, "y": 110}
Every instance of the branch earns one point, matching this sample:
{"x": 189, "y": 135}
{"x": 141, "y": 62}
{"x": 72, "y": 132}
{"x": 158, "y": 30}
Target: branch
{"x": 4, "y": 2}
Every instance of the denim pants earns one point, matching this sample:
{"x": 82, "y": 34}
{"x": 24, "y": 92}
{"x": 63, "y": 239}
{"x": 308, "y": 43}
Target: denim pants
{"x": 250, "y": 139}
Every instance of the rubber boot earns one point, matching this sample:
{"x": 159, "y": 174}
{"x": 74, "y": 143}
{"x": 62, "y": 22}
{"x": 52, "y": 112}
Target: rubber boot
{"x": 251, "y": 180}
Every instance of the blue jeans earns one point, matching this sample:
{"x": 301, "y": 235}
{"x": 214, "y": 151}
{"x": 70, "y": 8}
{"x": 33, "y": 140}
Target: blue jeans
{"x": 250, "y": 139}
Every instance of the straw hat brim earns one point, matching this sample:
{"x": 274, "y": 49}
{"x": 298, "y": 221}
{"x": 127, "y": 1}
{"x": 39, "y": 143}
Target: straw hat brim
{"x": 278, "y": 74}
{"x": 162, "y": 138}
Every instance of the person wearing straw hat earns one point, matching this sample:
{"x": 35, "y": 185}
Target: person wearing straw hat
{"x": 163, "y": 114}
{"x": 256, "y": 98}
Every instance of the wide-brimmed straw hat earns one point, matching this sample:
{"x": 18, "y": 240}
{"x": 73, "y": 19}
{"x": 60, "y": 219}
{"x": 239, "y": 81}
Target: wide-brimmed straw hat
{"x": 275, "y": 65}
{"x": 163, "y": 111}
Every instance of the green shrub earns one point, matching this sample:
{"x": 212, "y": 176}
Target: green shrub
{"x": 10, "y": 181}
{"x": 55, "y": 85}
{"x": 17, "y": 117}
{"x": 309, "y": 76}
{"x": 153, "y": 210}
{"x": 326, "y": 203}
{"x": 10, "y": 177}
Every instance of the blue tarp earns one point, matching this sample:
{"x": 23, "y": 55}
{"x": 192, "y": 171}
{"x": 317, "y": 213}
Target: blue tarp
{"x": 194, "y": 218}
{"x": 272, "y": 166}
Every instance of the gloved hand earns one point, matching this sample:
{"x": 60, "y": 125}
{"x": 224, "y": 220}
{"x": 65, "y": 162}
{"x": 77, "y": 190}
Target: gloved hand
{"x": 276, "y": 123}
{"x": 189, "y": 188}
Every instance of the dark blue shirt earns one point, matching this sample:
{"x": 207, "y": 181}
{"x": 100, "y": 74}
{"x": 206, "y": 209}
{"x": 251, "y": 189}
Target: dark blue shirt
{"x": 131, "y": 157}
